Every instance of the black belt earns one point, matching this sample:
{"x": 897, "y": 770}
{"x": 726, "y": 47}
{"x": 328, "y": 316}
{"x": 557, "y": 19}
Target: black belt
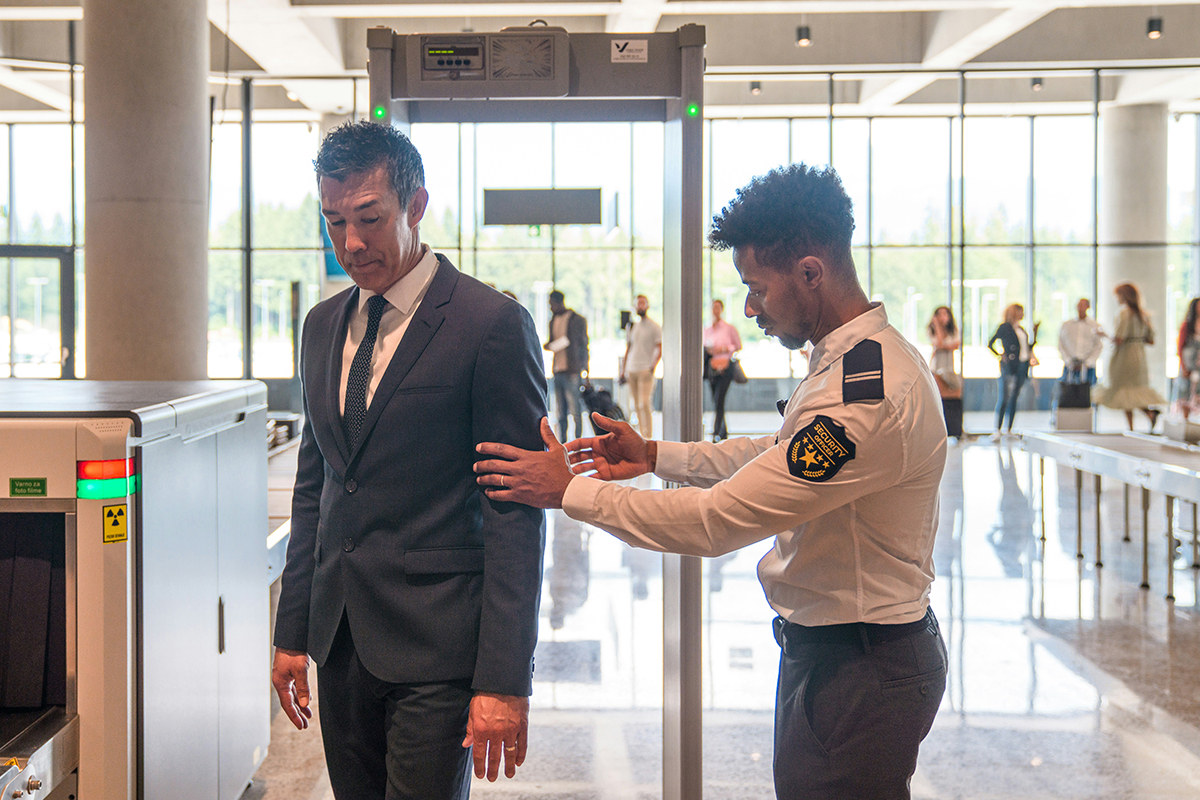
{"x": 861, "y": 633}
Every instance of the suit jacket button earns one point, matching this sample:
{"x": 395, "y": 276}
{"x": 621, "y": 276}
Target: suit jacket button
{"x": 351, "y": 486}
{"x": 347, "y": 544}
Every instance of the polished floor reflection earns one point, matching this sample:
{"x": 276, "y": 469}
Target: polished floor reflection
{"x": 1066, "y": 680}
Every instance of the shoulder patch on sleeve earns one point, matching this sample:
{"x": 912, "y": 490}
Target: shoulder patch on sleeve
{"x": 819, "y": 450}
{"x": 862, "y": 373}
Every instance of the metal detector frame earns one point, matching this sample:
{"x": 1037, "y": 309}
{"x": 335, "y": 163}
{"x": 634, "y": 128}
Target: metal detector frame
{"x": 667, "y": 87}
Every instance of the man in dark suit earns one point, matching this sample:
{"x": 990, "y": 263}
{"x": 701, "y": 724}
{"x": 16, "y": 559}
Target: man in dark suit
{"x": 569, "y": 344}
{"x": 416, "y": 595}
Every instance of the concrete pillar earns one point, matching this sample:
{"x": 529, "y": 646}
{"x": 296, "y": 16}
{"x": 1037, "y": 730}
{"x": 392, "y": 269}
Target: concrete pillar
{"x": 1133, "y": 210}
{"x": 146, "y": 188}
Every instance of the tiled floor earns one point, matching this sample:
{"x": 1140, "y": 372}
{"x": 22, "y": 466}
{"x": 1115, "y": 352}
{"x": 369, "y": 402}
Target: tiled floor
{"x": 1066, "y": 680}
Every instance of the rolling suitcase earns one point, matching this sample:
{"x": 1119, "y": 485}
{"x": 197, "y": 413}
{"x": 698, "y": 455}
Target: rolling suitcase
{"x": 952, "y": 410}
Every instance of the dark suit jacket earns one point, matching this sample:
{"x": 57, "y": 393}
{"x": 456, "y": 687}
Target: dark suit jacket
{"x": 438, "y": 582}
{"x": 577, "y": 335}
{"x": 1007, "y": 336}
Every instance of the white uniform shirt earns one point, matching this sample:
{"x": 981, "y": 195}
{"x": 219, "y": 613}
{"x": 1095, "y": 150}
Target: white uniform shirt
{"x": 404, "y": 298}
{"x": 854, "y": 512}
{"x": 645, "y": 336}
{"x": 1081, "y": 340}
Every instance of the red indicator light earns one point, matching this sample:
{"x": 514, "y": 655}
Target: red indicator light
{"x": 104, "y": 470}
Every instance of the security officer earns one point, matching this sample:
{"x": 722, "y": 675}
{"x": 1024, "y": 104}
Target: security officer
{"x": 848, "y": 488}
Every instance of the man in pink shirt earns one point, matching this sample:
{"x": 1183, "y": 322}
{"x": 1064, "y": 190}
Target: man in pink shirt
{"x": 721, "y": 342}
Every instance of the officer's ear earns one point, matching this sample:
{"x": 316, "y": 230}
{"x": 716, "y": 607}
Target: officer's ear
{"x": 810, "y": 271}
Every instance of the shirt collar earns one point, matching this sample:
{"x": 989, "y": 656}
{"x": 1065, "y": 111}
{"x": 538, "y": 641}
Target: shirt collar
{"x": 406, "y": 292}
{"x": 841, "y": 340}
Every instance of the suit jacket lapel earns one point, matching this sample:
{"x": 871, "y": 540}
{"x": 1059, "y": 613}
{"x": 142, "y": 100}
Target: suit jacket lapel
{"x": 425, "y": 323}
{"x": 333, "y": 401}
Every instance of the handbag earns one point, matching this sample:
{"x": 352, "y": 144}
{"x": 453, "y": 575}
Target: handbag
{"x": 1074, "y": 395}
{"x": 739, "y": 374}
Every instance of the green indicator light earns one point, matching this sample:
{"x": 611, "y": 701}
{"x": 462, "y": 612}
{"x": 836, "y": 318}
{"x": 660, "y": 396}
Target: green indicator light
{"x": 380, "y": 112}
{"x": 106, "y": 489}
{"x": 693, "y": 109}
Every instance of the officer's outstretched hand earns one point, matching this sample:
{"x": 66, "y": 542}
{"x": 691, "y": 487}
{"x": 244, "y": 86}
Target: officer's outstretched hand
{"x": 620, "y": 454}
{"x": 536, "y": 478}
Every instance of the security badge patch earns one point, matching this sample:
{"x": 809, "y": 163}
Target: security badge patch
{"x": 819, "y": 450}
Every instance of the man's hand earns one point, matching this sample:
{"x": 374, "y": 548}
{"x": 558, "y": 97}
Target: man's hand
{"x": 618, "y": 455}
{"x": 535, "y": 478}
{"x": 498, "y": 723}
{"x": 289, "y": 675}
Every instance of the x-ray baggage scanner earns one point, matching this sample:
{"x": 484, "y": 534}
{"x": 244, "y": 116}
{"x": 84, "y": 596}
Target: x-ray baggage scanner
{"x": 134, "y": 653}
{"x": 545, "y": 74}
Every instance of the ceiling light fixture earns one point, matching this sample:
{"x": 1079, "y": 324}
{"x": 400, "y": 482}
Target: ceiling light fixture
{"x": 755, "y": 88}
{"x": 803, "y": 36}
{"x": 1154, "y": 28}
{"x": 1036, "y": 84}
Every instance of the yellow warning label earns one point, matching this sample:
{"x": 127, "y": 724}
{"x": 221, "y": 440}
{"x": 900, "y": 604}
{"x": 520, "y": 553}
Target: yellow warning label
{"x": 116, "y": 524}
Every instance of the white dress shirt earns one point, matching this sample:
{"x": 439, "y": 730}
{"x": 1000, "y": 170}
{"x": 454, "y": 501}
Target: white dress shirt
{"x": 403, "y": 300}
{"x": 854, "y": 546}
{"x": 1081, "y": 340}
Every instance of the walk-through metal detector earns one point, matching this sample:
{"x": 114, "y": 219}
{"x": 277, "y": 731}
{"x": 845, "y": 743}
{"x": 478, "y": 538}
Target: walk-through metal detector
{"x": 544, "y": 74}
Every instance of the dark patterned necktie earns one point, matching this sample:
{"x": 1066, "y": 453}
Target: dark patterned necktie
{"x": 360, "y": 374}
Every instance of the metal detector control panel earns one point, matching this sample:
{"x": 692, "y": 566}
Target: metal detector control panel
{"x": 515, "y": 62}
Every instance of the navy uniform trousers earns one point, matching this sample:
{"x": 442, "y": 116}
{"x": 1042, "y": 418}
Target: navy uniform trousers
{"x": 852, "y": 706}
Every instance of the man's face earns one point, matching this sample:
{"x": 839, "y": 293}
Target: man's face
{"x": 643, "y": 305}
{"x": 557, "y": 306}
{"x": 1082, "y": 307}
{"x": 376, "y": 240}
{"x": 781, "y": 305}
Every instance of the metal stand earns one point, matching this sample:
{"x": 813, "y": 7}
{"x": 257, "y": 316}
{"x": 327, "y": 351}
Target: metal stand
{"x": 1145, "y": 538}
{"x": 1126, "y": 539}
{"x": 1042, "y": 492}
{"x": 1195, "y": 540}
{"x": 1078, "y": 513}
{"x": 1170, "y": 547}
{"x": 1099, "y": 556}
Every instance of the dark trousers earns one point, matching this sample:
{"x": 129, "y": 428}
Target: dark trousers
{"x": 850, "y": 715}
{"x": 720, "y": 383}
{"x": 1013, "y": 375}
{"x": 567, "y": 401}
{"x": 391, "y": 741}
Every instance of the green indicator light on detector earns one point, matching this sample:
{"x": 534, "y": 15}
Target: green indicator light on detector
{"x": 91, "y": 489}
{"x": 693, "y": 109}
{"x": 380, "y": 112}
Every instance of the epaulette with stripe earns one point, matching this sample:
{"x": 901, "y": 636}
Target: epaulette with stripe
{"x": 862, "y": 373}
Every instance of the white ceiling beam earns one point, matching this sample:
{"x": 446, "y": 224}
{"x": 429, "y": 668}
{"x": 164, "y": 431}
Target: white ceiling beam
{"x": 387, "y": 8}
{"x": 52, "y": 13}
{"x": 283, "y": 42}
{"x": 957, "y": 37}
{"x": 1146, "y": 86}
{"x": 36, "y": 90}
{"x": 636, "y": 16}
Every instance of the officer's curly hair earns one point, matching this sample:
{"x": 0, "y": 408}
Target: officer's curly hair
{"x": 358, "y": 147}
{"x": 787, "y": 214}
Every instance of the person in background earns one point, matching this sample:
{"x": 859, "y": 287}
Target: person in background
{"x": 1128, "y": 376}
{"x": 1016, "y": 358}
{"x": 569, "y": 343}
{"x": 642, "y": 354}
{"x": 1187, "y": 346}
{"x": 945, "y": 338}
{"x": 721, "y": 343}
{"x": 1080, "y": 341}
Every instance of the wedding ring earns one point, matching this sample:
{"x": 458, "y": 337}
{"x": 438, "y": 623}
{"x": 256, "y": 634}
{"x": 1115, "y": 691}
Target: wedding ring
{"x": 502, "y": 486}
{"x": 510, "y": 747}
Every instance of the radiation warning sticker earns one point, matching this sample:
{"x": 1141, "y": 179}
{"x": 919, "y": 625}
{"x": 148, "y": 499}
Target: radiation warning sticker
{"x": 116, "y": 524}
{"x": 819, "y": 450}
